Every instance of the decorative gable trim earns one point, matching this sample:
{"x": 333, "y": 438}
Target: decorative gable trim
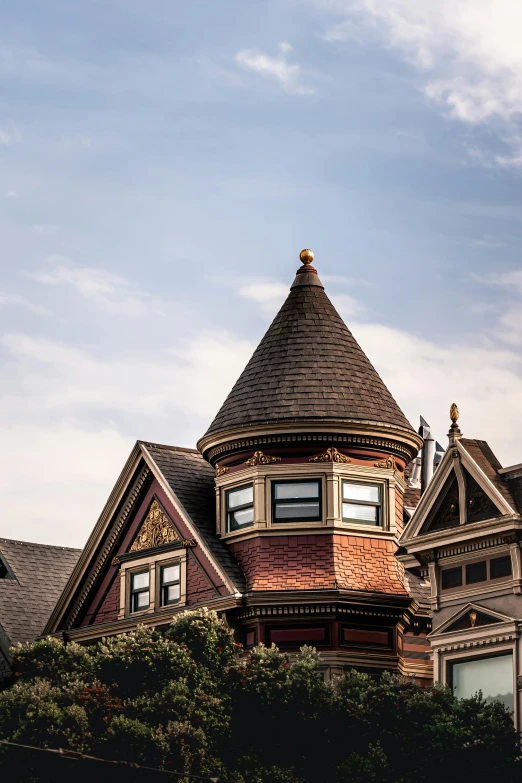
{"x": 468, "y": 611}
{"x": 155, "y": 530}
{"x": 456, "y": 458}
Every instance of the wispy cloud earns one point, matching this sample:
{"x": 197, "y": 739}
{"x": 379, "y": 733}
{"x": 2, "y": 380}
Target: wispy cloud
{"x": 5, "y": 137}
{"x": 107, "y": 290}
{"x": 46, "y": 229}
{"x": 467, "y": 52}
{"x": 278, "y": 68}
{"x": 14, "y": 300}
{"x": 266, "y": 294}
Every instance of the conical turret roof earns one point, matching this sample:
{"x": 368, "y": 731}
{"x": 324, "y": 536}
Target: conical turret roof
{"x": 308, "y": 366}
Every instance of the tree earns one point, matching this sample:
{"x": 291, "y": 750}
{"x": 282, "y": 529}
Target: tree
{"x": 186, "y": 700}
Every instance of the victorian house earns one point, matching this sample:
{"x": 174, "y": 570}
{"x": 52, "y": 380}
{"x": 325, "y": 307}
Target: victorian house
{"x": 464, "y": 541}
{"x": 286, "y": 519}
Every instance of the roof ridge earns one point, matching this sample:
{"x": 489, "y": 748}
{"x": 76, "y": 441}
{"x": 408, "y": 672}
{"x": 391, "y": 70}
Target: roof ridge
{"x": 36, "y": 543}
{"x": 166, "y": 446}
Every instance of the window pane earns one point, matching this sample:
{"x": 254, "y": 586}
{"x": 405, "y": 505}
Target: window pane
{"x": 492, "y": 676}
{"x": 140, "y": 581}
{"x": 476, "y": 572}
{"x": 451, "y": 577}
{"x": 297, "y": 510}
{"x": 369, "y": 493}
{"x": 173, "y": 593}
{"x": 142, "y": 600}
{"x": 243, "y": 517}
{"x": 500, "y": 566}
{"x": 240, "y": 497}
{"x": 360, "y": 513}
{"x": 170, "y": 574}
{"x": 301, "y": 489}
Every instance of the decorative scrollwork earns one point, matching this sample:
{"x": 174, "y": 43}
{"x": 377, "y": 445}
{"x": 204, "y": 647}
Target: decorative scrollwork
{"x": 189, "y": 543}
{"x": 330, "y": 455}
{"x": 115, "y": 561}
{"x": 389, "y": 462}
{"x": 220, "y": 471}
{"x": 156, "y": 530}
{"x": 261, "y": 459}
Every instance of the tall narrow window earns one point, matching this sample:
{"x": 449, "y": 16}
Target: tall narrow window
{"x": 296, "y": 501}
{"x": 139, "y": 592}
{"x": 240, "y": 507}
{"x": 170, "y": 584}
{"x": 362, "y": 503}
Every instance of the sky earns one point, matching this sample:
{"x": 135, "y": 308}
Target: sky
{"x": 162, "y": 163}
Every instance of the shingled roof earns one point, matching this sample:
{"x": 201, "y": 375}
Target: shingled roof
{"x": 36, "y": 576}
{"x": 308, "y": 366}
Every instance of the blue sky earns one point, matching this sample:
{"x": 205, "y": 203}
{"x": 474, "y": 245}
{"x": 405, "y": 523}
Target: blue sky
{"x": 163, "y": 163}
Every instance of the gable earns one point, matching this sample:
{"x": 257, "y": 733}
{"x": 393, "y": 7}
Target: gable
{"x": 464, "y": 490}
{"x": 144, "y": 512}
{"x": 445, "y": 511}
{"x": 472, "y": 619}
{"x": 478, "y": 505}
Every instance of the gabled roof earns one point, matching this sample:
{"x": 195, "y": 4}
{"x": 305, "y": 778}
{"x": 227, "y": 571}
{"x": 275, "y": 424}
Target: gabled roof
{"x": 191, "y": 479}
{"x": 40, "y": 573}
{"x": 308, "y": 366}
{"x": 481, "y": 453}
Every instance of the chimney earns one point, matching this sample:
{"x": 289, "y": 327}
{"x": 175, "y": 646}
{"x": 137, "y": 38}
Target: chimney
{"x": 428, "y": 454}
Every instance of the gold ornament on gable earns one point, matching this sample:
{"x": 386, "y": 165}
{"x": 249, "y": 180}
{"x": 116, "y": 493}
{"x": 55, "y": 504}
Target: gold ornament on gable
{"x": 156, "y": 530}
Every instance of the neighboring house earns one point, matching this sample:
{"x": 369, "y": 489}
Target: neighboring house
{"x": 285, "y": 520}
{"x": 464, "y": 540}
{"x": 32, "y": 577}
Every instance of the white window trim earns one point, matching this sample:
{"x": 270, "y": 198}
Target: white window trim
{"x": 153, "y": 563}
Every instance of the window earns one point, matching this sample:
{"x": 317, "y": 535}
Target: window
{"x": 500, "y": 566}
{"x": 362, "y": 503}
{"x": 296, "y": 501}
{"x": 170, "y": 584}
{"x": 493, "y": 676}
{"x": 240, "y": 507}
{"x": 476, "y": 572}
{"x": 139, "y": 592}
{"x": 451, "y": 577}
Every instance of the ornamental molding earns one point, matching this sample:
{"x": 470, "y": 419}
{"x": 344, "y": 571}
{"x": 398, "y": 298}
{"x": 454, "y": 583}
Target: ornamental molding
{"x": 109, "y": 545}
{"x": 476, "y": 546}
{"x": 386, "y": 463}
{"x": 189, "y": 543}
{"x": 220, "y": 471}
{"x": 330, "y": 455}
{"x": 469, "y": 644}
{"x": 261, "y": 459}
{"x": 303, "y": 610}
{"x": 156, "y": 530}
{"x": 382, "y": 444}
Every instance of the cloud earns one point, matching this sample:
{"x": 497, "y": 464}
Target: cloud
{"x": 69, "y": 419}
{"x": 278, "y": 68}
{"x": 5, "y": 137}
{"x": 268, "y": 295}
{"x": 14, "y": 300}
{"x": 467, "y": 51}
{"x": 111, "y": 292}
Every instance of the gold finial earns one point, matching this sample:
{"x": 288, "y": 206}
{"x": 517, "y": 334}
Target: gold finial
{"x": 454, "y": 413}
{"x": 472, "y": 618}
{"x": 306, "y": 256}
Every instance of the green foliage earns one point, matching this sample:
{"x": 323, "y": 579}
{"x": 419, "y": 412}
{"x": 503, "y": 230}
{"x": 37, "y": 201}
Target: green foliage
{"x": 185, "y": 701}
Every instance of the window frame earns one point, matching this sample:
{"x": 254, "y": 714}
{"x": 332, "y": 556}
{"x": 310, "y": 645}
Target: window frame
{"x": 452, "y": 661}
{"x": 229, "y": 511}
{"x": 152, "y": 563}
{"x": 489, "y": 581}
{"x": 163, "y": 586}
{"x": 288, "y": 501}
{"x": 135, "y": 592}
{"x": 379, "y": 506}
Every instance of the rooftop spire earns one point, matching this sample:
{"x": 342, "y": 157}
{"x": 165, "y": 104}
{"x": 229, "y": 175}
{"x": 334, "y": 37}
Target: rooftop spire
{"x": 308, "y": 367}
{"x": 454, "y": 433}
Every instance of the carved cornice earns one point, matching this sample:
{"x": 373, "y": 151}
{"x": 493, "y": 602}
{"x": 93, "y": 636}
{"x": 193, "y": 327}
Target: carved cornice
{"x": 261, "y": 459}
{"x": 386, "y": 463}
{"x": 330, "y": 455}
{"x": 156, "y": 530}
